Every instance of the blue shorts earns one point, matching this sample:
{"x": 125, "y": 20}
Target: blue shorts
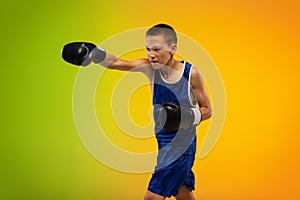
{"x": 168, "y": 180}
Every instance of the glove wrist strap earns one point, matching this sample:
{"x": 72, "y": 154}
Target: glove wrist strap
{"x": 197, "y": 116}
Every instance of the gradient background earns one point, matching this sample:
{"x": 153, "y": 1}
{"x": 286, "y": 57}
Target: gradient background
{"x": 255, "y": 45}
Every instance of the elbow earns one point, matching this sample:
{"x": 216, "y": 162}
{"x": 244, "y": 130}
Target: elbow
{"x": 209, "y": 114}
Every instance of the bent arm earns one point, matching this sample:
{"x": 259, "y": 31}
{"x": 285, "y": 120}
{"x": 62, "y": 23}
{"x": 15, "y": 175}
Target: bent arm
{"x": 197, "y": 84}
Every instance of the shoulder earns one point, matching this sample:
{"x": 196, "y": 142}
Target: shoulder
{"x": 140, "y": 62}
{"x": 143, "y": 65}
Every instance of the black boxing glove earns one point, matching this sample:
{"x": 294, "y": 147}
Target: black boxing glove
{"x": 174, "y": 117}
{"x": 82, "y": 53}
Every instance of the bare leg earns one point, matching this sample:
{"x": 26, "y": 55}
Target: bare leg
{"x": 185, "y": 194}
{"x": 152, "y": 196}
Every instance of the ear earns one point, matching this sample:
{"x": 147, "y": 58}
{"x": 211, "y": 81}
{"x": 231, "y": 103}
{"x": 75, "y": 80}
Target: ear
{"x": 173, "y": 49}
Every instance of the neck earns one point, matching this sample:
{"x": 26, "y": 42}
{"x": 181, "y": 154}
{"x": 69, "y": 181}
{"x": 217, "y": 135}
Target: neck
{"x": 171, "y": 68}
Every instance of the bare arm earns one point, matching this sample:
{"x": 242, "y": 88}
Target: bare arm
{"x": 139, "y": 65}
{"x": 201, "y": 94}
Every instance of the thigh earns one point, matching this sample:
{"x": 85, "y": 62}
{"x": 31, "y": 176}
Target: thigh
{"x": 152, "y": 196}
{"x": 185, "y": 194}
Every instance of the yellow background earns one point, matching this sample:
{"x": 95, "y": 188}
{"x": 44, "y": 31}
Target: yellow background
{"x": 255, "y": 45}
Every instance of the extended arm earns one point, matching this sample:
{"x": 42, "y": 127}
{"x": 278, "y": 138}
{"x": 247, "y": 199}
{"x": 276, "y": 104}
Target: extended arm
{"x": 114, "y": 63}
{"x": 83, "y": 53}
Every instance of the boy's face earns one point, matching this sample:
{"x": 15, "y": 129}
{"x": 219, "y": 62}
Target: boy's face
{"x": 159, "y": 52}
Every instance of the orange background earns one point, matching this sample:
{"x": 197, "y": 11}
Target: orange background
{"x": 255, "y": 45}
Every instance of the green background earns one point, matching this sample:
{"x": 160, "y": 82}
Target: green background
{"x": 41, "y": 154}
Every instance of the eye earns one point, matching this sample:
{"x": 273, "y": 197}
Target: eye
{"x": 156, "y": 48}
{"x": 147, "y": 49}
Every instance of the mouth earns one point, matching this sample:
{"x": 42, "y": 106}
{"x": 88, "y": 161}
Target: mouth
{"x": 154, "y": 62}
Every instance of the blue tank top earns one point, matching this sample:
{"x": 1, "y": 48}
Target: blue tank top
{"x": 172, "y": 144}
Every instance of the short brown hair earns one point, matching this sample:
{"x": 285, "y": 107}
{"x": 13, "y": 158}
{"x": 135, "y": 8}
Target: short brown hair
{"x": 167, "y": 31}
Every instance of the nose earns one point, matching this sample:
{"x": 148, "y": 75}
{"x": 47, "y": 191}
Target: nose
{"x": 151, "y": 54}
